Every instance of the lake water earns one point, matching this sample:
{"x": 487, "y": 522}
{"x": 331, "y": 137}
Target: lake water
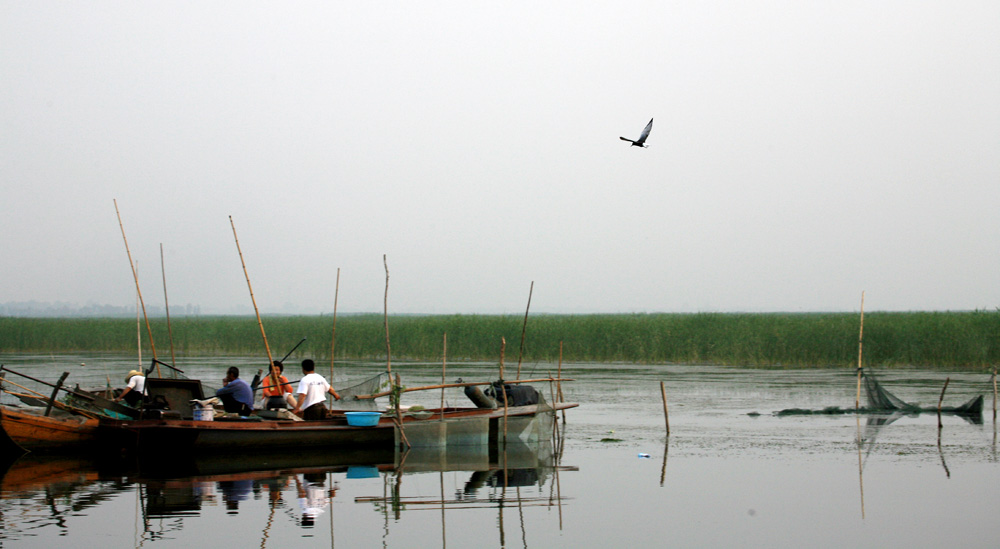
{"x": 723, "y": 478}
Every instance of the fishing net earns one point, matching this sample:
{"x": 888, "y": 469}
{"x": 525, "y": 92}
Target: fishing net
{"x": 374, "y": 385}
{"x": 880, "y": 400}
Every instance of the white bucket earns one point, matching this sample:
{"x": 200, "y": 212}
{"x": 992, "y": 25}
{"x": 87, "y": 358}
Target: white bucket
{"x": 204, "y": 414}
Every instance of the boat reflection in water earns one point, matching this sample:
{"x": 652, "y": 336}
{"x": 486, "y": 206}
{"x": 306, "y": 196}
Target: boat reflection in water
{"x": 38, "y": 493}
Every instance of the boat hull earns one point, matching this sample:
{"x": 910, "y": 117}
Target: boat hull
{"x": 35, "y": 432}
{"x": 466, "y": 427}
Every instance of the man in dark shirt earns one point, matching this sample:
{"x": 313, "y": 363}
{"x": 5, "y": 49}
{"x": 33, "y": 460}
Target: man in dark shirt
{"x": 236, "y": 395}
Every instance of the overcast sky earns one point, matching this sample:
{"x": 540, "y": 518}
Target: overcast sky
{"x": 802, "y": 152}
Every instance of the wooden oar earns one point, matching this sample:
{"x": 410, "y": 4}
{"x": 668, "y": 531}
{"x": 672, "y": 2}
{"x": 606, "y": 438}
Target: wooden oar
{"x": 59, "y": 405}
{"x": 135, "y": 276}
{"x": 71, "y": 391}
{"x": 449, "y": 385}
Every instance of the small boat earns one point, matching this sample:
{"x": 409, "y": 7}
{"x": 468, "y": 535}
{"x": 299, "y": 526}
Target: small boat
{"x": 28, "y": 429}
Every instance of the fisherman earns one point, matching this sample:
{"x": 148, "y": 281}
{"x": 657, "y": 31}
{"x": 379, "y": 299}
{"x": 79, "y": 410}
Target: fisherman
{"x": 236, "y": 395}
{"x": 132, "y": 394}
{"x": 280, "y": 396}
{"x": 312, "y": 393}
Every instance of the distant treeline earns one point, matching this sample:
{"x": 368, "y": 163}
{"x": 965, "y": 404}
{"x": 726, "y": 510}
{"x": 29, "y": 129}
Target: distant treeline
{"x": 947, "y": 340}
{"x": 59, "y": 309}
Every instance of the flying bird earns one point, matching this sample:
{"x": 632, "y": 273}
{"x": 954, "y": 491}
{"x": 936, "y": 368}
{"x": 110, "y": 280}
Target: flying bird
{"x": 642, "y": 138}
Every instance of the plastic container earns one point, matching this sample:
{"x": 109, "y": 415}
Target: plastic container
{"x": 363, "y": 419}
{"x": 204, "y": 414}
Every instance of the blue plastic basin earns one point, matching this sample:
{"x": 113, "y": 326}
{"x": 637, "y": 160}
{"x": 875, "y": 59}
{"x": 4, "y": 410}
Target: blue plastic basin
{"x": 363, "y": 419}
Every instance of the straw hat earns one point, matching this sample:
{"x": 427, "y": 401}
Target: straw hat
{"x": 132, "y": 373}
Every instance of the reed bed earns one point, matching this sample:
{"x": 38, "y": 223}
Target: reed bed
{"x": 945, "y": 340}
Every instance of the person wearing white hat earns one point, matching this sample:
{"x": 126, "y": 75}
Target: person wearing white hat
{"x": 133, "y": 392}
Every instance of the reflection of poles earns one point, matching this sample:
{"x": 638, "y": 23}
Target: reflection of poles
{"x": 940, "y": 426}
{"x": 329, "y": 500}
{"x": 397, "y": 499}
{"x": 503, "y": 495}
{"x": 520, "y": 514}
{"x": 941, "y": 453}
{"x": 444, "y": 539}
{"x": 861, "y": 481}
{"x": 270, "y": 520}
{"x": 558, "y": 460}
{"x": 663, "y": 470}
{"x": 861, "y": 334}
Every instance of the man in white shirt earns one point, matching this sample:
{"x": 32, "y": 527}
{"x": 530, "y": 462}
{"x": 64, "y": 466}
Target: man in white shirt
{"x": 133, "y": 392}
{"x": 312, "y": 393}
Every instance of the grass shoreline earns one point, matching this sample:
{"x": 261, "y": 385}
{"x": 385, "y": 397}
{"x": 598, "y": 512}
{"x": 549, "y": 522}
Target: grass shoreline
{"x": 943, "y": 340}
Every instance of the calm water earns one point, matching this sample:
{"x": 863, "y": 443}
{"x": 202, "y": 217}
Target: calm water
{"x": 724, "y": 478}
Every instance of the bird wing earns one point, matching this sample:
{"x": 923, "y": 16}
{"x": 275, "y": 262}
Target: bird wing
{"x": 645, "y": 132}
{"x": 626, "y": 139}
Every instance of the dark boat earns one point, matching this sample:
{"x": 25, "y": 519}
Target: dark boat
{"x": 464, "y": 427}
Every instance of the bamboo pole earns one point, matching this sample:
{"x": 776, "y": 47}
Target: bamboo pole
{"x": 135, "y": 276}
{"x": 385, "y": 317}
{"x": 666, "y": 418}
{"x": 138, "y": 331}
{"x": 559, "y": 392}
{"x": 333, "y": 336}
{"x": 861, "y": 334}
{"x": 524, "y": 329}
{"x": 166, "y": 307}
{"x": 503, "y": 347}
{"x": 555, "y": 421}
{"x": 399, "y": 417}
{"x": 444, "y": 365}
{"x": 994, "y": 395}
{"x": 941, "y": 400}
{"x": 267, "y": 347}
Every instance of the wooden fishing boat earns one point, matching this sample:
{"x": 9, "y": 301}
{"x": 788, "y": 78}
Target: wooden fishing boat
{"x": 31, "y": 430}
{"x": 168, "y": 424}
{"x": 465, "y": 426}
